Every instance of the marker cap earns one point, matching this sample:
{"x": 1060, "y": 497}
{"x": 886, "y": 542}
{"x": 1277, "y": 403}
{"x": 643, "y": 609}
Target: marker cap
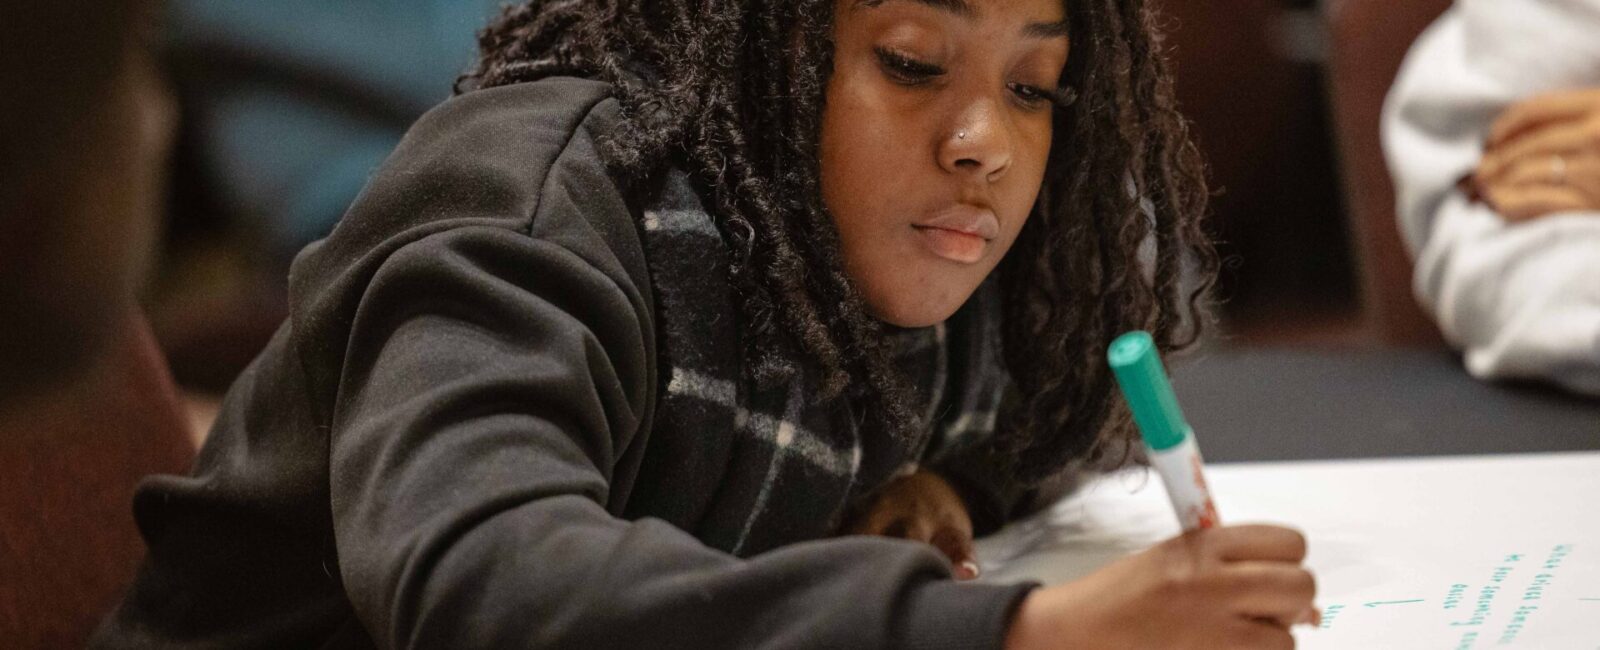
{"x": 1137, "y": 366}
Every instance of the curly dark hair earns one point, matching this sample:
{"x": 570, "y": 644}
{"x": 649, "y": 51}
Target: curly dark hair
{"x": 732, "y": 91}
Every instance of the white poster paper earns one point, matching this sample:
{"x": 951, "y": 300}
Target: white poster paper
{"x": 1455, "y": 552}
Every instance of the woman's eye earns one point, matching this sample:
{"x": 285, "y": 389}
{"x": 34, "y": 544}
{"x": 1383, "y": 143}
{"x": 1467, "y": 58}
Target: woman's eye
{"x": 904, "y": 69}
{"x": 1029, "y": 95}
{"x": 1036, "y": 97}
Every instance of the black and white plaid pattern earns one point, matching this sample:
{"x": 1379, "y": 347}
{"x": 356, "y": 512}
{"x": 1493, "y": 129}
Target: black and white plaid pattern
{"x": 781, "y": 465}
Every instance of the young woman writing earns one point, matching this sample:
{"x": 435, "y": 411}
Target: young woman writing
{"x": 620, "y": 340}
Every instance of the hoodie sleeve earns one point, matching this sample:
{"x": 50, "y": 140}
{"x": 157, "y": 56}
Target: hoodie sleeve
{"x": 494, "y": 391}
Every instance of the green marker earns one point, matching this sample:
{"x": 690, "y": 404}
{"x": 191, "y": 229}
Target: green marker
{"x": 1170, "y": 441}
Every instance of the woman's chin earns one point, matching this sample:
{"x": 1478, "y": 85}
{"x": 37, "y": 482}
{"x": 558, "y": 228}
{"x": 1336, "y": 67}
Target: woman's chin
{"x": 910, "y": 314}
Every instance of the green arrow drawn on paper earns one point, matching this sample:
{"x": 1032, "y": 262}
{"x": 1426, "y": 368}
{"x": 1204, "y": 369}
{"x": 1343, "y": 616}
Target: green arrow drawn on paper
{"x": 1393, "y": 602}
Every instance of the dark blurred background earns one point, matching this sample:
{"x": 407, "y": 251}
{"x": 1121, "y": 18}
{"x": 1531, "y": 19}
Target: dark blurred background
{"x": 1252, "y": 76}
{"x": 1286, "y": 96}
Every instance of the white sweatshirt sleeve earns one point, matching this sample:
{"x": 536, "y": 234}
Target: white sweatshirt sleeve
{"x": 1521, "y": 300}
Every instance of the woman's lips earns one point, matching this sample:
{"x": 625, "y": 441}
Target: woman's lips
{"x": 960, "y": 233}
{"x": 952, "y": 245}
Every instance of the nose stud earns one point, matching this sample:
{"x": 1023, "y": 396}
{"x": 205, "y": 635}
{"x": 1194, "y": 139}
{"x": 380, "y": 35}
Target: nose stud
{"x": 961, "y": 135}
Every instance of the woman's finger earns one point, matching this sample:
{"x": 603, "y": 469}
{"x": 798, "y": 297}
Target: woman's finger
{"x": 1541, "y": 110}
{"x": 1270, "y": 590}
{"x": 1261, "y": 634}
{"x": 1545, "y": 170}
{"x": 1257, "y": 542}
{"x": 1583, "y": 175}
{"x": 1544, "y": 143}
{"x": 1580, "y": 173}
{"x": 1524, "y": 202}
{"x": 956, "y": 545}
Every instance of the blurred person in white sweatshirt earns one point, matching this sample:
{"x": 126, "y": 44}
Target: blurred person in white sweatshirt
{"x": 1492, "y": 133}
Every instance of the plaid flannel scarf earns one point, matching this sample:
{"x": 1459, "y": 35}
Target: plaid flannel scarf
{"x": 748, "y": 469}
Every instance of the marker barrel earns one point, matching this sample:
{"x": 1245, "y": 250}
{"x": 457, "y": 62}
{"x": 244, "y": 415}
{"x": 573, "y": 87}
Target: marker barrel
{"x": 1180, "y": 469}
{"x": 1167, "y": 437}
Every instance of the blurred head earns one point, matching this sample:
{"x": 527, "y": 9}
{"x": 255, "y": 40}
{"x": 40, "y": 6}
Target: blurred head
{"x": 870, "y": 162}
{"x": 82, "y": 138}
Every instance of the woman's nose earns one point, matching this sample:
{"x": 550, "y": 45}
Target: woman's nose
{"x": 978, "y": 144}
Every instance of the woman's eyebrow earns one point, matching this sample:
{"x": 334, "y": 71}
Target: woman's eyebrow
{"x": 1058, "y": 29}
{"x": 957, "y": 7}
{"x": 960, "y": 8}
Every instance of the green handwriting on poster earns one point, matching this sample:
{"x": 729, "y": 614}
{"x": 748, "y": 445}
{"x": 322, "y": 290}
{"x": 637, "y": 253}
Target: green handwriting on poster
{"x": 1494, "y": 607}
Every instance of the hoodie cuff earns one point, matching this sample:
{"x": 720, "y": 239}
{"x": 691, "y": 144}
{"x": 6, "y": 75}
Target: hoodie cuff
{"x": 956, "y": 615}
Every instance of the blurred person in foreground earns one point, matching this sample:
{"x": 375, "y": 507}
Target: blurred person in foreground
{"x": 1492, "y": 132}
{"x": 83, "y": 127}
